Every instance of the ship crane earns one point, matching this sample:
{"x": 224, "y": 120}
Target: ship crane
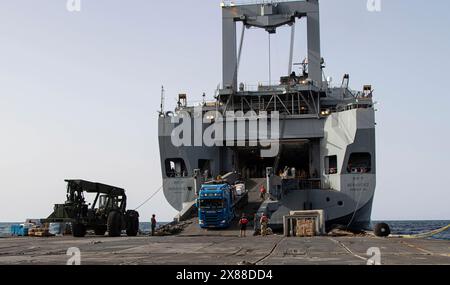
{"x": 269, "y": 16}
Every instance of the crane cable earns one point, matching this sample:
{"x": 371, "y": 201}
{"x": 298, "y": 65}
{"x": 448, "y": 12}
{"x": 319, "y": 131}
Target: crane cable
{"x": 241, "y": 44}
{"x": 270, "y": 61}
{"x": 149, "y": 198}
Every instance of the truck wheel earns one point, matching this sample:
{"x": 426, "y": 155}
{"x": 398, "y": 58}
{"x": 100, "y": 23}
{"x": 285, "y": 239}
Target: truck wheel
{"x": 100, "y": 230}
{"x": 245, "y": 203}
{"x": 78, "y": 230}
{"x": 114, "y": 224}
{"x": 132, "y": 226}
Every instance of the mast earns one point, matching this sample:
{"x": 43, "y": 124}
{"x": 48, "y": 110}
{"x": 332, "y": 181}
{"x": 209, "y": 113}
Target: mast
{"x": 161, "y": 112}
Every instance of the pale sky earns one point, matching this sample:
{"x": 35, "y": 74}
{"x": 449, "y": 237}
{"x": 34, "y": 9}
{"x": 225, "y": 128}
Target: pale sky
{"x": 79, "y": 93}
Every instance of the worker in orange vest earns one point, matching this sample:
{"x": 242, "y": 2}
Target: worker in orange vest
{"x": 243, "y": 222}
{"x": 264, "y": 224}
{"x": 262, "y": 191}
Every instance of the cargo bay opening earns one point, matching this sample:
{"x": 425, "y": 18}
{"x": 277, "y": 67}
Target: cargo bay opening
{"x": 296, "y": 158}
{"x": 250, "y": 164}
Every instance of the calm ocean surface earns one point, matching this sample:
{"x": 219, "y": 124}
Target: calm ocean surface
{"x": 397, "y": 227}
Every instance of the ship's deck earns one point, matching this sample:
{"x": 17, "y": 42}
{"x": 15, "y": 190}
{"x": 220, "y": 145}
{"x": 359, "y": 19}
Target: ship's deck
{"x": 220, "y": 250}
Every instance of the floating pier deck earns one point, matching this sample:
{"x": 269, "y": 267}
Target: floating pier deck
{"x": 223, "y": 250}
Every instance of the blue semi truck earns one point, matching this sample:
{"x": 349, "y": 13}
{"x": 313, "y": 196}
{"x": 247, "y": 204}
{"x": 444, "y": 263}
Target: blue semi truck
{"x": 216, "y": 205}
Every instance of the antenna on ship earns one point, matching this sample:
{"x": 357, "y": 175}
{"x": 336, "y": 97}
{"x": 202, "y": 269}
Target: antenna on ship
{"x": 161, "y": 112}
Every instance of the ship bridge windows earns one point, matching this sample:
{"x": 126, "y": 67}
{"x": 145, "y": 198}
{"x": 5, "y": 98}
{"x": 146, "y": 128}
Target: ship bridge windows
{"x": 360, "y": 162}
{"x": 331, "y": 165}
{"x": 175, "y": 167}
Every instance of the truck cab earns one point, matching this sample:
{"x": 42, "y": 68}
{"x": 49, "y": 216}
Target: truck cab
{"x": 215, "y": 205}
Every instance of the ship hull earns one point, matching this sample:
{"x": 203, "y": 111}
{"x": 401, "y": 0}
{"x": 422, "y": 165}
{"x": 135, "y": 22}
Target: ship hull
{"x": 346, "y": 195}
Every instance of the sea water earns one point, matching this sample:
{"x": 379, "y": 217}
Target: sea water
{"x": 397, "y": 227}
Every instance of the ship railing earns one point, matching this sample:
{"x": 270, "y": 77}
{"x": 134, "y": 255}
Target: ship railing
{"x": 200, "y": 103}
{"x": 352, "y": 106}
{"x": 261, "y": 86}
{"x": 231, "y": 3}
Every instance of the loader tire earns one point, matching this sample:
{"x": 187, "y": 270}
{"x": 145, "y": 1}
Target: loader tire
{"x": 100, "y": 230}
{"x": 132, "y": 226}
{"x": 78, "y": 230}
{"x": 114, "y": 224}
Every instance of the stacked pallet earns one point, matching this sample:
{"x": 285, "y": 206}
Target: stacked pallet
{"x": 37, "y": 231}
{"x": 306, "y": 228}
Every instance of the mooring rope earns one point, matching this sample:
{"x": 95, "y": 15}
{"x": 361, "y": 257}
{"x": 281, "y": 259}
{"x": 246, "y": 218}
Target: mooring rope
{"x": 425, "y": 235}
{"x": 149, "y": 198}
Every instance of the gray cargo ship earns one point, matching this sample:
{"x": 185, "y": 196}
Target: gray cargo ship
{"x": 311, "y": 144}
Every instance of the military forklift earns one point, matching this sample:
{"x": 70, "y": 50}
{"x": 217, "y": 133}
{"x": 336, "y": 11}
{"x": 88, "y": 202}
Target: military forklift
{"x": 110, "y": 216}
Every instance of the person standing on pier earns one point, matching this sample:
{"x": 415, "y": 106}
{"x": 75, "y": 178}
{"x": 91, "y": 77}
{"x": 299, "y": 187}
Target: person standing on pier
{"x": 264, "y": 224}
{"x": 243, "y": 222}
{"x": 153, "y": 224}
{"x": 262, "y": 192}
